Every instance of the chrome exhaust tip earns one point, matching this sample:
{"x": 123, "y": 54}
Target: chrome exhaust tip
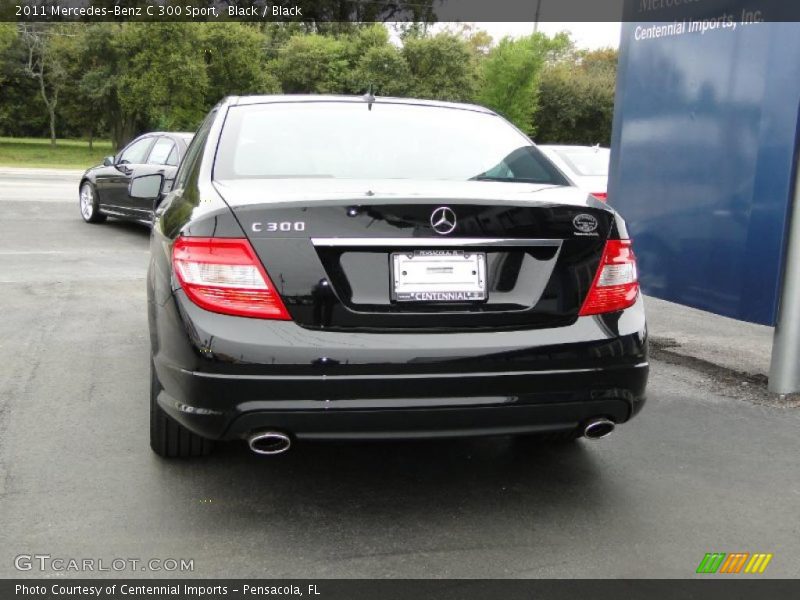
{"x": 597, "y": 429}
{"x": 269, "y": 442}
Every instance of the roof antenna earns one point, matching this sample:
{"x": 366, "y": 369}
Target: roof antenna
{"x": 369, "y": 97}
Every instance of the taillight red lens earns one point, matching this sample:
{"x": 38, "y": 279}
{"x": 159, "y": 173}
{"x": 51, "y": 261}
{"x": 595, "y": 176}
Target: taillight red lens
{"x": 603, "y": 196}
{"x": 616, "y": 284}
{"x": 224, "y": 275}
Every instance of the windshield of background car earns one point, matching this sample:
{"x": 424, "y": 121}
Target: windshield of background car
{"x": 348, "y": 140}
{"x": 590, "y": 162}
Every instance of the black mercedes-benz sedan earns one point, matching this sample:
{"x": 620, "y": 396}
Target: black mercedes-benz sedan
{"x": 103, "y": 190}
{"x": 360, "y": 268}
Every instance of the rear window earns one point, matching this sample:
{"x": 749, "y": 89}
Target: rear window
{"x": 347, "y": 140}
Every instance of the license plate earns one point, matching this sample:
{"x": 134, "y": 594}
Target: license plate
{"x": 438, "y": 276}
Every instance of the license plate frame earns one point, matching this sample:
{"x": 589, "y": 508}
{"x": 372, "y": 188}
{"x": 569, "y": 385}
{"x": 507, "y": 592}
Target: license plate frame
{"x": 438, "y": 276}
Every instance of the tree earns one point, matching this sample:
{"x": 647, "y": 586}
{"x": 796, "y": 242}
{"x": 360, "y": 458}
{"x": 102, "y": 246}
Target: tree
{"x": 8, "y": 35}
{"x": 235, "y": 61}
{"x": 8, "y": 32}
{"x": 441, "y": 67}
{"x": 510, "y": 76}
{"x": 144, "y": 76}
{"x": 101, "y": 61}
{"x": 599, "y": 62}
{"x": 22, "y": 112}
{"x": 277, "y": 35}
{"x": 480, "y": 41}
{"x": 576, "y": 100}
{"x": 374, "y": 62}
{"x": 45, "y": 45}
{"x": 163, "y": 79}
{"x": 360, "y": 40}
{"x": 312, "y": 64}
{"x": 78, "y": 112}
{"x": 383, "y": 70}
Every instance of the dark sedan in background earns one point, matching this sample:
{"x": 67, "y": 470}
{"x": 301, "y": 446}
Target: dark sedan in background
{"x": 103, "y": 190}
{"x": 356, "y": 268}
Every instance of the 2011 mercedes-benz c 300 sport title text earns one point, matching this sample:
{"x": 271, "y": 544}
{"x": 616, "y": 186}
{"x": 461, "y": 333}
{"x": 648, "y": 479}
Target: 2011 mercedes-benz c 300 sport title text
{"x": 373, "y": 268}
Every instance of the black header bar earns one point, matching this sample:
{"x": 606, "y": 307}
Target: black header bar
{"x": 265, "y": 11}
{"x": 709, "y": 588}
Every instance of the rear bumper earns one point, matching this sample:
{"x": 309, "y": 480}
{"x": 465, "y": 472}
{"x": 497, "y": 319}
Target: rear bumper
{"x": 392, "y": 406}
{"x": 429, "y": 422}
{"x": 225, "y": 377}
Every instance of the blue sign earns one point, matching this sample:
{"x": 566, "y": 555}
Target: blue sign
{"x": 702, "y": 160}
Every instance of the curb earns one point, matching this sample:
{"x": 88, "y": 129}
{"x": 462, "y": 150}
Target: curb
{"x": 748, "y": 386}
{"x": 50, "y": 173}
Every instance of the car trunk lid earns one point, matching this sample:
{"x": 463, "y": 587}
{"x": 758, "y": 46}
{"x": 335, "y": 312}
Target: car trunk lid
{"x": 337, "y": 251}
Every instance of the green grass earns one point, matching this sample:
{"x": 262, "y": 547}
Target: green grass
{"x": 37, "y": 152}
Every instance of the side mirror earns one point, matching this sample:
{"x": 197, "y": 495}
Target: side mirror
{"x": 146, "y": 187}
{"x": 108, "y": 161}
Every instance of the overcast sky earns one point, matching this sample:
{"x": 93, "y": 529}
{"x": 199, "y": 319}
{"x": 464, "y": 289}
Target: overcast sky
{"x": 586, "y": 35}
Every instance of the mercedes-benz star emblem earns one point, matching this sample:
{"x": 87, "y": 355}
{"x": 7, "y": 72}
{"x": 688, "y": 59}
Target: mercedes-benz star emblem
{"x": 443, "y": 220}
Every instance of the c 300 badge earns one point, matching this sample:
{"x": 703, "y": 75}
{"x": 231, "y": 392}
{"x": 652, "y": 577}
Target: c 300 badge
{"x": 585, "y": 224}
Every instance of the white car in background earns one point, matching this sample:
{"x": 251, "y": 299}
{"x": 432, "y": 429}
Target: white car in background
{"x": 586, "y": 166}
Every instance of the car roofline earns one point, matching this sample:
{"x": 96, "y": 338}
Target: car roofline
{"x": 320, "y": 98}
{"x": 585, "y": 146}
{"x": 179, "y": 134}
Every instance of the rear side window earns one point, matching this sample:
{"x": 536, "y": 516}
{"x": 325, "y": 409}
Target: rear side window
{"x": 172, "y": 159}
{"x": 348, "y": 140}
{"x": 136, "y": 152}
{"x": 161, "y": 151}
{"x": 194, "y": 150}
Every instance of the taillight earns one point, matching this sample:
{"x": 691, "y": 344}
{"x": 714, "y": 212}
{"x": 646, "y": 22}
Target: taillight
{"x": 616, "y": 283}
{"x": 224, "y": 275}
{"x": 602, "y": 196}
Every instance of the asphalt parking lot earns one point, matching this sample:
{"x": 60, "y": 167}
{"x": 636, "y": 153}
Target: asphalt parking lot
{"x": 702, "y": 469}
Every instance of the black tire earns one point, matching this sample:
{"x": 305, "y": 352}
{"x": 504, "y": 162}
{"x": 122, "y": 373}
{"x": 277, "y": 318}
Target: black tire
{"x": 87, "y": 203}
{"x": 169, "y": 438}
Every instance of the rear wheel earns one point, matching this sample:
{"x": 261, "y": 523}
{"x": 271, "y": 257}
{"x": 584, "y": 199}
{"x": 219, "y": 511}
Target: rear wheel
{"x": 88, "y": 204}
{"x": 169, "y": 438}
